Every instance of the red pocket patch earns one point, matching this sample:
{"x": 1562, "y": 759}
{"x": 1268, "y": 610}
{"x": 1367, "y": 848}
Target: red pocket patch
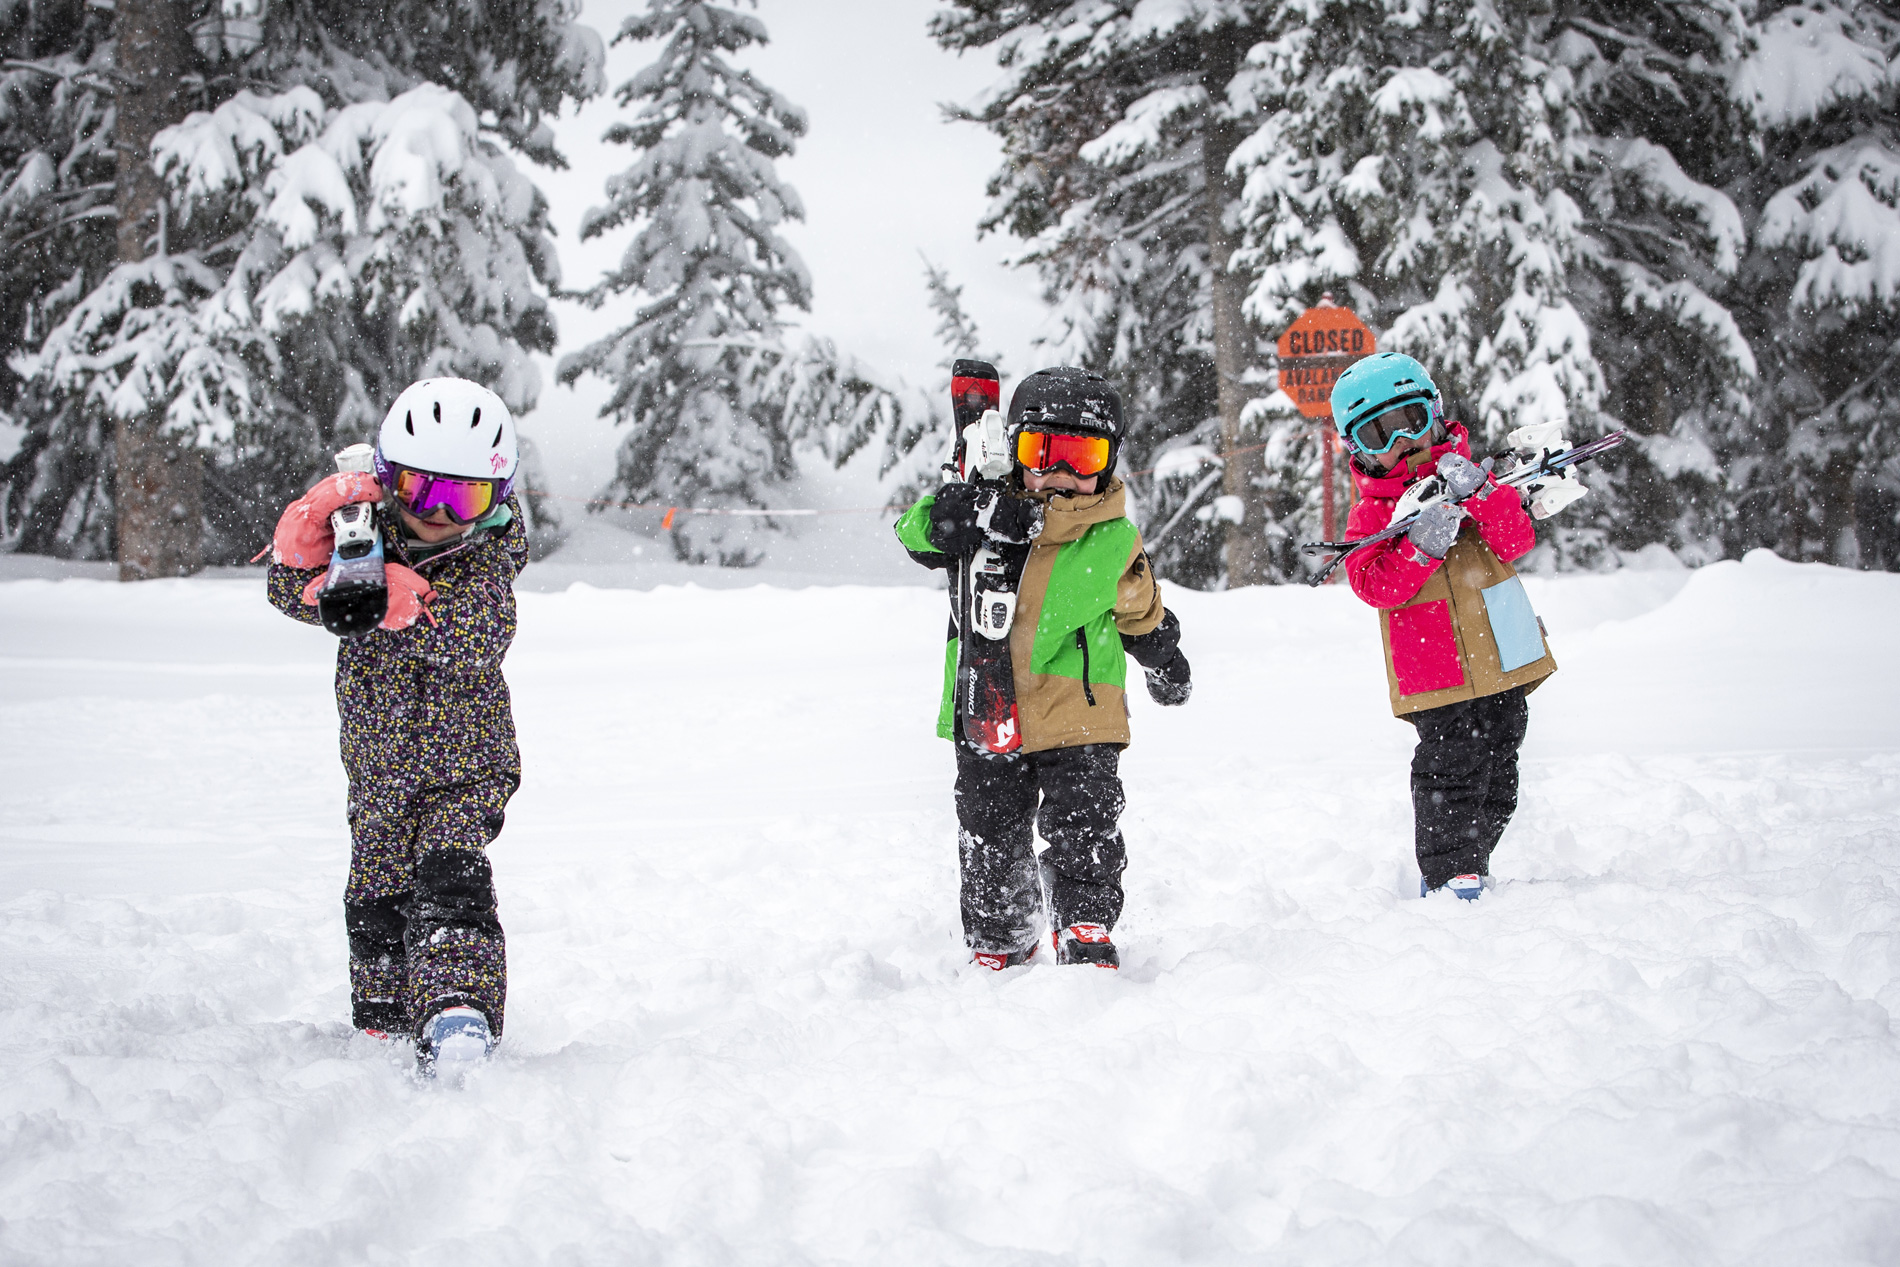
{"x": 1424, "y": 650}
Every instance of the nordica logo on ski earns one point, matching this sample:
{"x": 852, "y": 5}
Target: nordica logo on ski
{"x": 989, "y": 712}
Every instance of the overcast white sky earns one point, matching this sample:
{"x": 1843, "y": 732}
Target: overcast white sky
{"x": 882, "y": 176}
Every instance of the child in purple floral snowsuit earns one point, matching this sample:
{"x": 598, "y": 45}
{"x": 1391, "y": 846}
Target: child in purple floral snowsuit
{"x": 428, "y": 744}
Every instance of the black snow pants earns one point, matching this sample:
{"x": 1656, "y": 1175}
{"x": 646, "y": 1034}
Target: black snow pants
{"x": 1464, "y": 782}
{"x": 1079, "y": 876}
{"x": 420, "y": 903}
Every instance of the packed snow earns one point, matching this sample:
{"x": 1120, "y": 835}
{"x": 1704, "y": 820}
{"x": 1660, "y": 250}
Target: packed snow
{"x": 741, "y": 1025}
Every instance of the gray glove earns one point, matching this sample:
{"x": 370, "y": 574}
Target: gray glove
{"x": 1436, "y": 528}
{"x": 1462, "y": 476}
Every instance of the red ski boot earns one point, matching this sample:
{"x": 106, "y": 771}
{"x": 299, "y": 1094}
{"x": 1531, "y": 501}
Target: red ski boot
{"x": 1086, "y": 943}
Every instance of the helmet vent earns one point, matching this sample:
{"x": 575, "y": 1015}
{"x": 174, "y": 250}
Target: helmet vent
{"x": 496, "y": 442}
{"x": 409, "y": 423}
{"x": 476, "y": 421}
{"x": 438, "y": 411}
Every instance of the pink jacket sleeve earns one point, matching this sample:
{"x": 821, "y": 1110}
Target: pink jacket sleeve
{"x": 1503, "y": 522}
{"x": 1391, "y": 572}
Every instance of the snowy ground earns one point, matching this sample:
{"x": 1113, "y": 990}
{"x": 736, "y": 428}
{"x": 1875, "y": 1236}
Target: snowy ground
{"x": 741, "y": 1028}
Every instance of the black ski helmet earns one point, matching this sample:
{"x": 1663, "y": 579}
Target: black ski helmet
{"x": 1072, "y": 401}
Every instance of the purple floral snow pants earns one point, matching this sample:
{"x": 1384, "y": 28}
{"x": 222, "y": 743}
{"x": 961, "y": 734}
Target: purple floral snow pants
{"x": 420, "y": 903}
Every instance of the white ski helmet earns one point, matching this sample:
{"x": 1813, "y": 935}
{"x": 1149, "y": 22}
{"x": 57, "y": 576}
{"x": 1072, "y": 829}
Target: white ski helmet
{"x": 450, "y": 426}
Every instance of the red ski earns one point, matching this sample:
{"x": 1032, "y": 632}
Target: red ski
{"x": 984, "y": 599}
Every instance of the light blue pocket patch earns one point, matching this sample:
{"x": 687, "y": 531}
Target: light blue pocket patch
{"x": 1513, "y": 624}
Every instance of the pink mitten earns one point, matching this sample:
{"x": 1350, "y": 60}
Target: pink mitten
{"x": 303, "y": 538}
{"x": 409, "y": 597}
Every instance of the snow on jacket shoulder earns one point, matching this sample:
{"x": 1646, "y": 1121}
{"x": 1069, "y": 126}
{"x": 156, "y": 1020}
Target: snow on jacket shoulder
{"x": 1454, "y": 629}
{"x": 428, "y": 706}
{"x": 1085, "y": 583}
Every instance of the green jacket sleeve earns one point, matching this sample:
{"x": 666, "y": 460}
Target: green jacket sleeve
{"x": 913, "y": 527}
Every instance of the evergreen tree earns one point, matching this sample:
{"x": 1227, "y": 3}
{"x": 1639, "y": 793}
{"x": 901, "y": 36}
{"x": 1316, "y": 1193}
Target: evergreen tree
{"x": 1417, "y": 159}
{"x": 714, "y": 396}
{"x": 706, "y": 268}
{"x": 956, "y": 330}
{"x": 1118, "y": 121}
{"x": 1660, "y": 243}
{"x": 1819, "y": 293}
{"x": 339, "y": 222}
{"x": 57, "y": 240}
{"x": 1672, "y": 215}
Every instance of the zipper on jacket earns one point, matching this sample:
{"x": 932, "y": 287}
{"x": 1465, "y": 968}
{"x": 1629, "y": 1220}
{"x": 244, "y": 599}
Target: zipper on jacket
{"x": 1082, "y": 641}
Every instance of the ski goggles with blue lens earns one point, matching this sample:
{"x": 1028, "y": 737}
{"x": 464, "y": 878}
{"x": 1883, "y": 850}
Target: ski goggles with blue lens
{"x": 1378, "y": 434}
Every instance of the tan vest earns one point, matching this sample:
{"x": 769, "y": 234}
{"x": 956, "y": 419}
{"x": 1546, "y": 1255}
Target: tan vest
{"x": 1448, "y": 634}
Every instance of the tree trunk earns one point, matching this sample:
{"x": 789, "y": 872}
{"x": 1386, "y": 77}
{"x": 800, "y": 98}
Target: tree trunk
{"x": 1840, "y": 533}
{"x": 1233, "y": 341}
{"x": 159, "y": 477}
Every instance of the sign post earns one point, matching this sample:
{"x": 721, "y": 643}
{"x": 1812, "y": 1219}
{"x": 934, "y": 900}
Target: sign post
{"x": 1313, "y": 353}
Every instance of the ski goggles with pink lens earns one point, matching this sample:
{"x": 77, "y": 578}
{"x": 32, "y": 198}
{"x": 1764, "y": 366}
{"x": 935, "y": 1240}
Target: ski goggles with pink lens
{"x": 421, "y": 493}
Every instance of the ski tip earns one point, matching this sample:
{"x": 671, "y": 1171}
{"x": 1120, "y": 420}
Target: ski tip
{"x": 966, "y": 368}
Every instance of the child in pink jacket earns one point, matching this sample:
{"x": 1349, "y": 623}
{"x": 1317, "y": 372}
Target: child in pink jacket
{"x": 1462, "y": 645}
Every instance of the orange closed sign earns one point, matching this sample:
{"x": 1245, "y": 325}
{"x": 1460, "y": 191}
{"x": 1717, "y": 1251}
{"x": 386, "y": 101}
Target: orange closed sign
{"x": 1315, "y": 351}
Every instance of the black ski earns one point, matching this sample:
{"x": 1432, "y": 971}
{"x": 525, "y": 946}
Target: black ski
{"x": 1518, "y": 477}
{"x": 984, "y": 600}
{"x": 355, "y": 593}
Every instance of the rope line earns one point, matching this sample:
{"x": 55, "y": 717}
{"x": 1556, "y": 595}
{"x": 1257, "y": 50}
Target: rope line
{"x": 673, "y": 512}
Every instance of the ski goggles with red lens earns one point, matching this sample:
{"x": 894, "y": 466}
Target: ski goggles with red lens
{"x": 1084, "y": 455}
{"x": 1378, "y": 434}
{"x": 421, "y": 493}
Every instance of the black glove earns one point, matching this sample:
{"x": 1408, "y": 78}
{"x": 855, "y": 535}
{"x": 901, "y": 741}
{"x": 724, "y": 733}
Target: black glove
{"x": 1009, "y": 520}
{"x": 1158, "y": 652}
{"x": 1172, "y": 683}
{"x": 965, "y": 517}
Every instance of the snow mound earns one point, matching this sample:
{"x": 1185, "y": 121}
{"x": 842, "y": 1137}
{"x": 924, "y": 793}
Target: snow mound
{"x": 741, "y": 1025}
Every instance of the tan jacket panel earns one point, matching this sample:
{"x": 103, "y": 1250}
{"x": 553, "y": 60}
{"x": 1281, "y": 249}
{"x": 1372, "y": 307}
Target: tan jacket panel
{"x": 1470, "y": 569}
{"x": 1054, "y": 710}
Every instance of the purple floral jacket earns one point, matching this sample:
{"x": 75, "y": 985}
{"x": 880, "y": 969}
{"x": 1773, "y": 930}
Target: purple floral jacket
{"x": 427, "y": 706}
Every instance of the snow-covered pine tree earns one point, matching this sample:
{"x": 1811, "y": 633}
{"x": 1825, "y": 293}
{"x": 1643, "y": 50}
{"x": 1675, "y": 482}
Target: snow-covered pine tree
{"x": 707, "y": 271}
{"x": 57, "y": 240}
{"x": 956, "y": 329}
{"x": 1659, "y": 246}
{"x": 919, "y": 457}
{"x": 1820, "y": 288}
{"x": 1117, "y": 120}
{"x": 348, "y": 231}
{"x": 714, "y": 391}
{"x": 1415, "y": 158}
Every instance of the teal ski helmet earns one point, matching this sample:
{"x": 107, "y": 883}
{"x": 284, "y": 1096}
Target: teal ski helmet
{"x": 1376, "y": 385}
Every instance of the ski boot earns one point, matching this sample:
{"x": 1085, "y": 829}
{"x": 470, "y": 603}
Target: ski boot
{"x": 1468, "y": 887}
{"x": 452, "y": 1043}
{"x": 997, "y": 960}
{"x": 1085, "y": 943}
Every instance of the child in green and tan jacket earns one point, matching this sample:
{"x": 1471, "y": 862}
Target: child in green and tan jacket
{"x": 1086, "y": 596}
